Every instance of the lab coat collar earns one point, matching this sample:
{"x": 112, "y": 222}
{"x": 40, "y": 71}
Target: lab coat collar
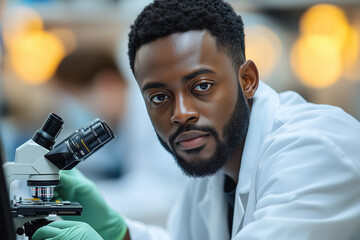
{"x": 265, "y": 103}
{"x": 211, "y": 208}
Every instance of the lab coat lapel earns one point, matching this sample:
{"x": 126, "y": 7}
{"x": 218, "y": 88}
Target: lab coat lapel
{"x": 265, "y": 103}
{"x": 238, "y": 214}
{"x": 213, "y": 208}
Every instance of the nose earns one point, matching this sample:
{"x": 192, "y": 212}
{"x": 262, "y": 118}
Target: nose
{"x": 184, "y": 111}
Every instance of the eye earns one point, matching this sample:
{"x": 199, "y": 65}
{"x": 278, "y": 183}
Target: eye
{"x": 159, "y": 98}
{"x": 202, "y": 87}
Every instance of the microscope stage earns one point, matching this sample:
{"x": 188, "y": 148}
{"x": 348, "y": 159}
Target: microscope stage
{"x": 39, "y": 208}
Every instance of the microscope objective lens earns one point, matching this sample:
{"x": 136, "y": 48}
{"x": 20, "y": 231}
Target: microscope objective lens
{"x": 45, "y": 193}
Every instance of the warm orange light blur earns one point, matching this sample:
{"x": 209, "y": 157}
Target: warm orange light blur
{"x": 19, "y": 20}
{"x": 351, "y": 53}
{"x": 351, "y": 49}
{"x": 327, "y": 48}
{"x": 36, "y": 55}
{"x": 316, "y": 60}
{"x": 263, "y": 46}
{"x": 327, "y": 20}
{"x": 67, "y": 37}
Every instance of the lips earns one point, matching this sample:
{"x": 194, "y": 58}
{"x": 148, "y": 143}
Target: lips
{"x": 191, "y": 139}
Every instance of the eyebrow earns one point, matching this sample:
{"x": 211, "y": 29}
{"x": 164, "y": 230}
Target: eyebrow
{"x": 152, "y": 85}
{"x": 185, "y": 78}
{"x": 196, "y": 73}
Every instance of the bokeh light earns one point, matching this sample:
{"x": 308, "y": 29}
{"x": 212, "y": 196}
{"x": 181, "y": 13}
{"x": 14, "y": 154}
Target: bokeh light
{"x": 351, "y": 53}
{"x": 327, "y": 48}
{"x": 316, "y": 60}
{"x": 263, "y": 46}
{"x": 67, "y": 38}
{"x": 19, "y": 20}
{"x": 34, "y": 53}
{"x": 35, "y": 56}
{"x": 327, "y": 20}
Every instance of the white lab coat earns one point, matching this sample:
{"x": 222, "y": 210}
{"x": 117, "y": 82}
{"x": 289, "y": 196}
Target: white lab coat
{"x": 299, "y": 179}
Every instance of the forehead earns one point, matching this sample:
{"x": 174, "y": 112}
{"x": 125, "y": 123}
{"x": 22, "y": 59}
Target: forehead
{"x": 177, "y": 53}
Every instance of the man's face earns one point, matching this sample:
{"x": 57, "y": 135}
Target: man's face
{"x": 194, "y": 100}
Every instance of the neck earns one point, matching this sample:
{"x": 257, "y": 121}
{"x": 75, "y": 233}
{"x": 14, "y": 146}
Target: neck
{"x": 232, "y": 166}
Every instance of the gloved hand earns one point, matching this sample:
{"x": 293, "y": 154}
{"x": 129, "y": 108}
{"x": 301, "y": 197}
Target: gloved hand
{"x": 76, "y": 187}
{"x": 59, "y": 230}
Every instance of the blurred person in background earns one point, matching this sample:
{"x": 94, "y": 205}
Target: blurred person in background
{"x": 264, "y": 165}
{"x": 89, "y": 85}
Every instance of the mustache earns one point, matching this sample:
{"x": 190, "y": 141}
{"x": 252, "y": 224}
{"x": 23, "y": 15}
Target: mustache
{"x": 191, "y": 127}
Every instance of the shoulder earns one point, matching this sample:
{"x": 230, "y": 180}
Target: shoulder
{"x": 303, "y": 123}
{"x": 310, "y": 137}
{"x": 293, "y": 110}
{"x": 308, "y": 168}
{"x": 310, "y": 143}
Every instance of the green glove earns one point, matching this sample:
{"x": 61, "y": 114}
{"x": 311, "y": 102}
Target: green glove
{"x": 60, "y": 230}
{"x": 76, "y": 187}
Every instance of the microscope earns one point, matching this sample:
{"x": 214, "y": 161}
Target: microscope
{"x": 38, "y": 162}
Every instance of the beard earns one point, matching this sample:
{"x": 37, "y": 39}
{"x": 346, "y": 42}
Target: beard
{"x": 234, "y": 133}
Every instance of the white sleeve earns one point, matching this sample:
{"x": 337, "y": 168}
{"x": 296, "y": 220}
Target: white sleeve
{"x": 307, "y": 188}
{"x": 141, "y": 231}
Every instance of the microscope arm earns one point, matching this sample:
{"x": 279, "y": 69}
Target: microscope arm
{"x": 30, "y": 164}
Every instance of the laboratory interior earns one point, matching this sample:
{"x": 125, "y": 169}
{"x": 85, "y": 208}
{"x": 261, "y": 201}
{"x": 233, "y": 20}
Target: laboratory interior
{"x": 69, "y": 58}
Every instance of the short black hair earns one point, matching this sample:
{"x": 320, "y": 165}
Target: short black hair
{"x": 165, "y": 17}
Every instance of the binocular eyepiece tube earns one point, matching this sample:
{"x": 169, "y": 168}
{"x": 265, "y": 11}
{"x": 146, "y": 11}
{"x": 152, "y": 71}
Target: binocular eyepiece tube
{"x": 68, "y": 153}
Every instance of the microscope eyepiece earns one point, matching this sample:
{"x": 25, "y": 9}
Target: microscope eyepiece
{"x": 50, "y": 129}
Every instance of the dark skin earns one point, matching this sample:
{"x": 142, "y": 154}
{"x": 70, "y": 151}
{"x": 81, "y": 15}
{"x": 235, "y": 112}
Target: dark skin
{"x": 186, "y": 79}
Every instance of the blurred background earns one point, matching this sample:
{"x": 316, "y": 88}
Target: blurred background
{"x": 69, "y": 57}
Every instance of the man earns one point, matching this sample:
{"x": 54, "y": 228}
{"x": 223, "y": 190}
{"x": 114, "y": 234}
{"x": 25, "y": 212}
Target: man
{"x": 92, "y": 89}
{"x": 265, "y": 165}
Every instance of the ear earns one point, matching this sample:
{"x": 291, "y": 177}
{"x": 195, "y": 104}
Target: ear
{"x": 248, "y": 76}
